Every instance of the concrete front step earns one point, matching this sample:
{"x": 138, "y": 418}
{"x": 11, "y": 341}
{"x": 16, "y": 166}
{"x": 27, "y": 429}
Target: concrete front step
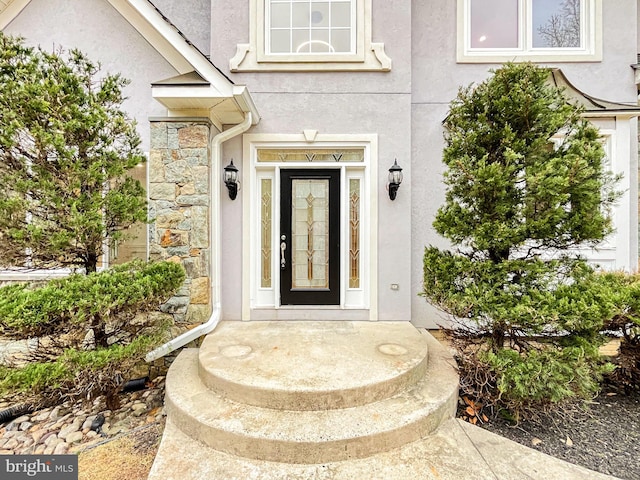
{"x": 456, "y": 451}
{"x": 408, "y": 436}
{"x": 258, "y": 363}
{"x": 182, "y": 458}
{"x": 312, "y": 436}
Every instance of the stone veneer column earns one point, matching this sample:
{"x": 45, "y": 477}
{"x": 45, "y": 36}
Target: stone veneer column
{"x": 180, "y": 202}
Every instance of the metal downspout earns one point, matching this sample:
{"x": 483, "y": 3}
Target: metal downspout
{"x": 214, "y": 233}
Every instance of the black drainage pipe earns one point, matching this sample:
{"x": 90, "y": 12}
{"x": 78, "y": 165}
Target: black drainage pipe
{"x": 14, "y": 412}
{"x": 135, "y": 385}
{"x": 22, "y": 409}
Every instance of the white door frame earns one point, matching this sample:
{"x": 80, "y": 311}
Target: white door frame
{"x": 264, "y": 303}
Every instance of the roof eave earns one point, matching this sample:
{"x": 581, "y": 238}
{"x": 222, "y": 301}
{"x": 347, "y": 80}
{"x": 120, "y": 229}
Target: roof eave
{"x": 221, "y": 109}
{"x": 594, "y": 107}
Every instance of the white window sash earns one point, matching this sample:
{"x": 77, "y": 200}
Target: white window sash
{"x": 590, "y": 36}
{"x": 352, "y": 32}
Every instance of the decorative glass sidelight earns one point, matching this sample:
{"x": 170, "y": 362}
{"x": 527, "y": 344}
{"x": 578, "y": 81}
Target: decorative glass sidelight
{"x": 265, "y": 227}
{"x": 354, "y": 233}
{"x": 310, "y": 232}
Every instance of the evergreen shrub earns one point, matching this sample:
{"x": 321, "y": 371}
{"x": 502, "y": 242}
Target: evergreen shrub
{"x": 90, "y": 330}
{"x": 626, "y": 325}
{"x": 526, "y": 185}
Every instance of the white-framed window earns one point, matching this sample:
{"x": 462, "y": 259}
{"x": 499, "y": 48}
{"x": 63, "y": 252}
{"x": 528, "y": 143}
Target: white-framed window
{"x": 310, "y": 27}
{"x": 535, "y": 30}
{"x": 135, "y": 246}
{"x": 310, "y": 35}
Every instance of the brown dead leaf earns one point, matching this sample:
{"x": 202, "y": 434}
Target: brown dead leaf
{"x": 485, "y": 418}
{"x": 473, "y": 420}
{"x": 535, "y": 441}
{"x": 154, "y": 412}
{"x": 470, "y": 411}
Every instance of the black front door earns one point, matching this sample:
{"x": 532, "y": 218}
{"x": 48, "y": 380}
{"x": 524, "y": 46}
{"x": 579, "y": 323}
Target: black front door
{"x": 310, "y": 237}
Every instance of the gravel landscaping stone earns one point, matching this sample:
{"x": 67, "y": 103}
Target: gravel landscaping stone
{"x": 66, "y": 428}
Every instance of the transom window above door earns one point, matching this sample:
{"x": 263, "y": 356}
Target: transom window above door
{"x": 311, "y": 27}
{"x": 536, "y": 30}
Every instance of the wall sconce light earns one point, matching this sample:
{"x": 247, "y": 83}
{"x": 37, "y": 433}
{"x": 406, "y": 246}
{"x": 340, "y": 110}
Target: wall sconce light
{"x": 230, "y": 178}
{"x": 395, "y": 179}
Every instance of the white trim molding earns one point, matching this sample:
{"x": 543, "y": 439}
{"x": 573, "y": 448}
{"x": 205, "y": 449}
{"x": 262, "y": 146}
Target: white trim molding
{"x": 589, "y": 51}
{"x": 263, "y": 301}
{"x": 619, "y": 250}
{"x": 10, "y": 9}
{"x": 216, "y": 97}
{"x": 253, "y": 56}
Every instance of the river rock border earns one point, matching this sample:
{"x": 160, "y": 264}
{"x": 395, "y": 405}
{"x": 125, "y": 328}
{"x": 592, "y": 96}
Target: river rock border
{"x": 66, "y": 428}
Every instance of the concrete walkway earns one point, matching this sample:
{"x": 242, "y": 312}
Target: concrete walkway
{"x": 330, "y": 401}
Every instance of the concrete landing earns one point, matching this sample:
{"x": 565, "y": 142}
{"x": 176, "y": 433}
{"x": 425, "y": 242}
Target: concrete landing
{"x": 312, "y": 365}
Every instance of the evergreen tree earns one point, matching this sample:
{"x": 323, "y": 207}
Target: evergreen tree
{"x": 525, "y": 185}
{"x": 65, "y": 149}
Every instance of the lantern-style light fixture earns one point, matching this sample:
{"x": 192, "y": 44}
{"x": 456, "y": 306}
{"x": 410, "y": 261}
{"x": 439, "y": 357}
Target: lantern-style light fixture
{"x": 395, "y": 179}
{"x": 230, "y": 178}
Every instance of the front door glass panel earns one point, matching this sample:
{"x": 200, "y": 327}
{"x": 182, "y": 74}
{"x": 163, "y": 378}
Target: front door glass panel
{"x": 310, "y": 222}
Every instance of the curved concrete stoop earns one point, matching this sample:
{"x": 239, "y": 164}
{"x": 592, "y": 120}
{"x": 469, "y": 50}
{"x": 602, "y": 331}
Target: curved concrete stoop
{"x": 330, "y": 401}
{"x": 285, "y": 399}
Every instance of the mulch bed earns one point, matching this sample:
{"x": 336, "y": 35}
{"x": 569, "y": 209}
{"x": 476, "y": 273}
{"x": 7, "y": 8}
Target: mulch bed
{"x": 606, "y": 438}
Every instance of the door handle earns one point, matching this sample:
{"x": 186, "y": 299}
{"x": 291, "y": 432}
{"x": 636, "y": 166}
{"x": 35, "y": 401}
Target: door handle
{"x": 283, "y": 248}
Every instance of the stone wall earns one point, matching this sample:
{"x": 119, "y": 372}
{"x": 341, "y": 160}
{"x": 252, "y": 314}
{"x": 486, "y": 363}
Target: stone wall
{"x": 180, "y": 203}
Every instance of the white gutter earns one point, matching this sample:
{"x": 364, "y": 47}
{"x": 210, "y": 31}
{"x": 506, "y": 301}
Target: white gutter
{"x": 214, "y": 232}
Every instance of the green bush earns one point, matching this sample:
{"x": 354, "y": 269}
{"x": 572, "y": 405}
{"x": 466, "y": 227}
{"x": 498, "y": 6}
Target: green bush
{"x": 626, "y": 324}
{"x": 526, "y": 185}
{"x": 64, "y": 311}
{"x": 527, "y": 333}
{"x": 546, "y": 376}
{"x": 80, "y": 300}
{"x": 76, "y": 373}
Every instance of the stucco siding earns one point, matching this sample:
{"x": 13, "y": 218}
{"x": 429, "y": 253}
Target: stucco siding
{"x": 403, "y": 107}
{"x": 389, "y": 117}
{"x": 436, "y": 78}
{"x": 436, "y": 74}
{"x": 333, "y": 102}
{"x": 191, "y": 17}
